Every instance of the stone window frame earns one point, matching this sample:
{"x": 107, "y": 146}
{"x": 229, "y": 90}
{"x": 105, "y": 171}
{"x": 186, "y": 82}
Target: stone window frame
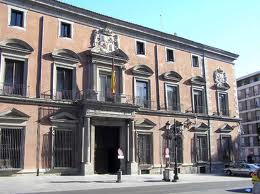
{"x": 166, "y": 84}
{"x": 64, "y": 65}
{"x": 201, "y": 88}
{"x": 10, "y": 8}
{"x": 199, "y": 61}
{"x": 166, "y": 56}
{"x": 149, "y": 133}
{"x": 227, "y": 103}
{"x": 71, "y": 30}
{"x": 24, "y": 59}
{"x": 137, "y": 78}
{"x": 144, "y": 42}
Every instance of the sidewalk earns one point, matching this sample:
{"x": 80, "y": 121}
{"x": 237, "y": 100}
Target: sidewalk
{"x": 31, "y": 184}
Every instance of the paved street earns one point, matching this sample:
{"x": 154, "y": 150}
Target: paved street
{"x": 152, "y": 184}
{"x": 192, "y": 188}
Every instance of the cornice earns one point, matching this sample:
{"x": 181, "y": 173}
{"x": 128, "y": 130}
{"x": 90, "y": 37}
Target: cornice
{"x": 86, "y": 17}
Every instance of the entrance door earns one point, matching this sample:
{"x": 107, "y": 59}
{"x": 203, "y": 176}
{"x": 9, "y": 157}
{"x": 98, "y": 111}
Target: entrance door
{"x": 106, "y": 145}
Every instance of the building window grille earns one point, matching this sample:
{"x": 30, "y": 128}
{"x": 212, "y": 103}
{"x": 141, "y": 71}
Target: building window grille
{"x": 63, "y": 148}
{"x": 202, "y": 148}
{"x": 11, "y": 148}
{"x": 172, "y": 150}
{"x": 226, "y": 145}
{"x": 145, "y": 149}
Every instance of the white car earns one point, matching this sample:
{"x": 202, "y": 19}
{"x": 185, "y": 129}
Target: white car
{"x": 241, "y": 169}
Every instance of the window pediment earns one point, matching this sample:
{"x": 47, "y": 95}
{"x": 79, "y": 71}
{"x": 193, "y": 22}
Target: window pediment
{"x": 202, "y": 127}
{"x": 16, "y": 45}
{"x": 144, "y": 123}
{"x": 13, "y": 117}
{"x": 226, "y": 128}
{"x": 66, "y": 55}
{"x": 142, "y": 70}
{"x": 197, "y": 80}
{"x": 64, "y": 117}
{"x": 172, "y": 76}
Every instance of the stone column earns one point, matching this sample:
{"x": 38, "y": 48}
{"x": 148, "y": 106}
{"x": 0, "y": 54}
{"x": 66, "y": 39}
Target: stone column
{"x": 133, "y": 165}
{"x": 87, "y": 164}
{"x": 94, "y": 93}
{"x": 122, "y": 84}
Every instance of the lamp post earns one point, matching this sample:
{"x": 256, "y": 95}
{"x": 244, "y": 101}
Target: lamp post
{"x": 176, "y": 131}
{"x": 168, "y": 128}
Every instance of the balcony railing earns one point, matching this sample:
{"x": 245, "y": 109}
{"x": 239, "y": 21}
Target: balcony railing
{"x": 224, "y": 112}
{"x": 58, "y": 95}
{"x": 12, "y": 89}
{"x": 199, "y": 109}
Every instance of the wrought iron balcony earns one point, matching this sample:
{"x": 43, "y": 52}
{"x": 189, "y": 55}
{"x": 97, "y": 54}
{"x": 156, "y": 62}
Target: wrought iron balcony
{"x": 13, "y": 89}
{"x": 62, "y": 95}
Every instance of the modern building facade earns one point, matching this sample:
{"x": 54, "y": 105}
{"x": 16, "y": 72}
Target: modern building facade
{"x": 60, "y": 111}
{"x": 249, "y": 110}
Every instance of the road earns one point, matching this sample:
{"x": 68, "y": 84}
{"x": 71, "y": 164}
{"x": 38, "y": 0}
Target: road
{"x": 189, "y": 188}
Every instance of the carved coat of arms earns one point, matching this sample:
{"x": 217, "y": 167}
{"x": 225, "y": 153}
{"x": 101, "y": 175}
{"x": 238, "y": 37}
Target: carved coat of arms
{"x": 220, "y": 77}
{"x": 105, "y": 41}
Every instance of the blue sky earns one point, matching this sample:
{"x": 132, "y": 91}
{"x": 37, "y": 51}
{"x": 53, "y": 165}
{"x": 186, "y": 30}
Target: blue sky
{"x": 232, "y": 25}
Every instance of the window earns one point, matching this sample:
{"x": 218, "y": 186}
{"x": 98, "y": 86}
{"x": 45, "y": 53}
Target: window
{"x": 11, "y": 148}
{"x": 223, "y": 104}
{"x": 169, "y": 55}
{"x": 65, "y": 30}
{"x": 64, "y": 83}
{"x": 105, "y": 93}
{"x": 257, "y": 115}
{"x": 195, "y": 61}
{"x": 17, "y": 18}
{"x": 172, "y": 98}
{"x": 246, "y": 141}
{"x": 257, "y": 102}
{"x": 142, "y": 95}
{"x": 202, "y": 148}
{"x": 226, "y": 144}
{"x": 198, "y": 101}
{"x": 140, "y": 48}
{"x": 14, "y": 78}
{"x": 144, "y": 148}
{"x": 63, "y": 148}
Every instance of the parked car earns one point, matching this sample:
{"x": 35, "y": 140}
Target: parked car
{"x": 256, "y": 181}
{"x": 241, "y": 169}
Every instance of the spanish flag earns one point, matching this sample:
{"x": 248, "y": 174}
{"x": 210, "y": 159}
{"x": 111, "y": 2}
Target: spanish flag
{"x": 113, "y": 78}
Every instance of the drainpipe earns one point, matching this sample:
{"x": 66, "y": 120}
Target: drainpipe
{"x": 157, "y": 76}
{"x": 39, "y": 69}
{"x": 207, "y": 111}
{"x": 38, "y": 143}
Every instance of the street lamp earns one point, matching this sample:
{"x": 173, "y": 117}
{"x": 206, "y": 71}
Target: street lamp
{"x": 176, "y": 132}
{"x": 167, "y": 137}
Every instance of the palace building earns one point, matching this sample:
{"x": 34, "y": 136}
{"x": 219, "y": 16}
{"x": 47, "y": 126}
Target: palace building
{"x": 76, "y": 85}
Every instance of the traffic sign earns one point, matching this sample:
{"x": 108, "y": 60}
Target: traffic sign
{"x": 120, "y": 154}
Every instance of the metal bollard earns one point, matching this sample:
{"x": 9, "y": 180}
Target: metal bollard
{"x": 119, "y": 176}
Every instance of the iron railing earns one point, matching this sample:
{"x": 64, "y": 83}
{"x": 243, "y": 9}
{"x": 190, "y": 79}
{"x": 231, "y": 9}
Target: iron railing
{"x": 13, "y": 89}
{"x": 199, "y": 109}
{"x": 11, "y": 148}
{"x": 59, "y": 95}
